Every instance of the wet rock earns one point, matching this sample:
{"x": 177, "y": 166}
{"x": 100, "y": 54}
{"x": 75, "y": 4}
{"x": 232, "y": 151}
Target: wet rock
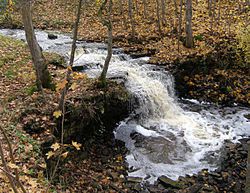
{"x": 52, "y": 36}
{"x": 134, "y": 179}
{"x": 167, "y": 182}
{"x": 195, "y": 188}
{"x": 114, "y": 187}
{"x": 214, "y": 174}
{"x": 137, "y": 188}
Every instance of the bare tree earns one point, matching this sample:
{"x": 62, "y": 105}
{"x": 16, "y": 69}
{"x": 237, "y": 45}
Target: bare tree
{"x": 189, "y": 32}
{"x": 176, "y": 16}
{"x": 136, "y": 6}
{"x": 123, "y": 15}
{"x": 106, "y": 22}
{"x": 158, "y": 16}
{"x": 163, "y": 13}
{"x": 212, "y": 17}
{"x": 72, "y": 56}
{"x": 219, "y": 11}
{"x": 180, "y": 22}
{"x": 145, "y": 8}
{"x": 130, "y": 13}
{"x": 42, "y": 73}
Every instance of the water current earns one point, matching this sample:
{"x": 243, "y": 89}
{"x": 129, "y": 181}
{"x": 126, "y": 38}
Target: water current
{"x": 164, "y": 135}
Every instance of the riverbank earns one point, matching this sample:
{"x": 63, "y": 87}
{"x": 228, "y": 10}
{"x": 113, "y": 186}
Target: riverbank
{"x": 214, "y": 70}
{"x": 103, "y": 167}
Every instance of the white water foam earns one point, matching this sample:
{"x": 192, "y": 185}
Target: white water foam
{"x": 164, "y": 137}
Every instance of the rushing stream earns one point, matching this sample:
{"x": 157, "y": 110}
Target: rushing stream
{"x": 164, "y": 135}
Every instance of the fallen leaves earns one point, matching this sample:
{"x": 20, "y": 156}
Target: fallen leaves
{"x": 50, "y": 154}
{"x": 57, "y": 114}
{"x": 76, "y": 145}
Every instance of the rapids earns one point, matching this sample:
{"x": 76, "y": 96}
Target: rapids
{"x": 164, "y": 135}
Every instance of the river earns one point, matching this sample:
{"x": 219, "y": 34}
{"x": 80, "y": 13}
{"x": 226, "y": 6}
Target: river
{"x": 164, "y": 135}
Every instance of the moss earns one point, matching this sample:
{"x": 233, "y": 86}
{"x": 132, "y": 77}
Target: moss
{"x": 94, "y": 111}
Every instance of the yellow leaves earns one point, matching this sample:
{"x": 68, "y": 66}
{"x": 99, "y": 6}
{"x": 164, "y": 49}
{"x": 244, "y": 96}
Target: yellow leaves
{"x": 73, "y": 86}
{"x": 76, "y": 145}
{"x": 61, "y": 85}
{"x": 50, "y": 154}
{"x": 13, "y": 166}
{"x": 33, "y": 183}
{"x": 190, "y": 83}
{"x": 78, "y": 76}
{"x": 119, "y": 159}
{"x": 40, "y": 175}
{"x": 186, "y": 78}
{"x": 42, "y": 165}
{"x": 55, "y": 146}
{"x": 57, "y": 114}
{"x": 65, "y": 154}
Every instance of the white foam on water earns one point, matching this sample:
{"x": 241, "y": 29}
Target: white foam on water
{"x": 163, "y": 136}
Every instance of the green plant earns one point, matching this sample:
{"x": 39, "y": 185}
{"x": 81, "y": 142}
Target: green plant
{"x": 10, "y": 73}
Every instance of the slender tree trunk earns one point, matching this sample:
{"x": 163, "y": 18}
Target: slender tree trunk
{"x": 72, "y": 56}
{"x": 180, "y": 22}
{"x": 123, "y": 15}
{"x": 158, "y": 16}
{"x": 176, "y": 16}
{"x": 163, "y": 13}
{"x": 42, "y": 73}
{"x": 219, "y": 11}
{"x": 108, "y": 24}
{"x": 247, "y": 8}
{"x": 145, "y": 8}
{"x": 136, "y": 6}
{"x": 189, "y": 32}
{"x": 209, "y": 2}
{"x": 130, "y": 13}
{"x": 6, "y": 169}
{"x": 212, "y": 17}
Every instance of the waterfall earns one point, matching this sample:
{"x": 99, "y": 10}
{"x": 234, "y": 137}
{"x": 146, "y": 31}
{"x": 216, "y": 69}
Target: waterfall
{"x": 164, "y": 135}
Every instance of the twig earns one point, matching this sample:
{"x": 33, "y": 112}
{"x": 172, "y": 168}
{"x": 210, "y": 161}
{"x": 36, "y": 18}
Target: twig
{"x": 64, "y": 92}
{"x": 13, "y": 160}
{"x": 6, "y": 169}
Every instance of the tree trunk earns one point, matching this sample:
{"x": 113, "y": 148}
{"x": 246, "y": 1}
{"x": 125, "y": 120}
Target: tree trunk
{"x": 176, "y": 16}
{"x": 189, "y": 32}
{"x": 180, "y": 22}
{"x": 42, "y": 73}
{"x": 136, "y": 6}
{"x": 130, "y": 13}
{"x": 108, "y": 24}
{"x": 145, "y": 9}
{"x": 123, "y": 15}
{"x": 158, "y": 16}
{"x": 72, "y": 56}
{"x": 219, "y": 11}
{"x": 163, "y": 13}
{"x": 212, "y": 18}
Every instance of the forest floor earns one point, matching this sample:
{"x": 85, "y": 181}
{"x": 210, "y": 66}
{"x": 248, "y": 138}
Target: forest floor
{"x": 220, "y": 77}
